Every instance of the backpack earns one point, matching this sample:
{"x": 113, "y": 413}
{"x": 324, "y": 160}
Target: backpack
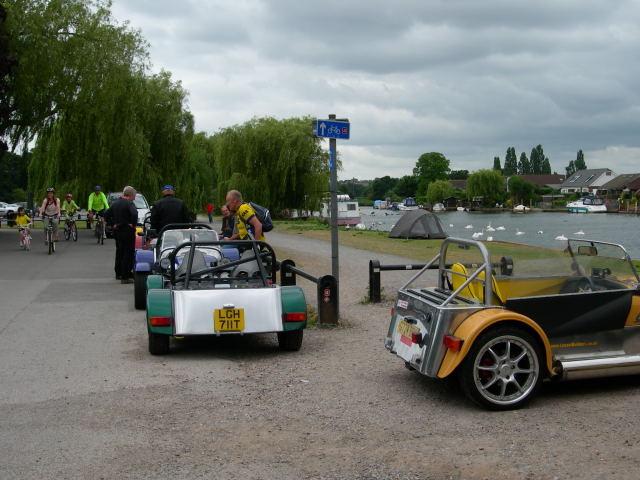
{"x": 263, "y": 215}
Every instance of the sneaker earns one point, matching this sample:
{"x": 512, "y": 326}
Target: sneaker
{"x": 126, "y": 280}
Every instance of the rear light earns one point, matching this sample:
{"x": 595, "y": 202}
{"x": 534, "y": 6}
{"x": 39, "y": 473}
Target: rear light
{"x": 452, "y": 343}
{"x": 416, "y": 337}
{"x": 295, "y": 317}
{"x": 160, "y": 321}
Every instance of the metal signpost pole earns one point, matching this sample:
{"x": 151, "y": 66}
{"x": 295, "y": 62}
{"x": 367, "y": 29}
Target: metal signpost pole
{"x": 334, "y": 210}
{"x": 333, "y": 128}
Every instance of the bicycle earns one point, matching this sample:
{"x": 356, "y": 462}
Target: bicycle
{"x": 70, "y": 228}
{"x": 25, "y": 236}
{"x": 49, "y": 232}
{"x": 99, "y": 230}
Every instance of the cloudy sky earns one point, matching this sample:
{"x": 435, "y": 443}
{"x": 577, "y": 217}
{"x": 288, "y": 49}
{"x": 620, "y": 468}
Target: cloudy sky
{"x": 466, "y": 78}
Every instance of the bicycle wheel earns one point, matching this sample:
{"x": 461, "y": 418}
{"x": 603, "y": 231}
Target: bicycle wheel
{"x": 27, "y": 242}
{"x": 67, "y": 232}
{"x": 101, "y": 232}
{"x": 50, "y": 240}
{"x": 98, "y": 231}
{"x": 74, "y": 232}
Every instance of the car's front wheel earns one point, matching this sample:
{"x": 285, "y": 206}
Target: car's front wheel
{"x": 503, "y": 369}
{"x": 290, "y": 341}
{"x": 158, "y": 344}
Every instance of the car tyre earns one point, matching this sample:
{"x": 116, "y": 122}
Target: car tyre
{"x": 158, "y": 344}
{"x": 503, "y": 369}
{"x": 290, "y": 341}
{"x": 140, "y": 290}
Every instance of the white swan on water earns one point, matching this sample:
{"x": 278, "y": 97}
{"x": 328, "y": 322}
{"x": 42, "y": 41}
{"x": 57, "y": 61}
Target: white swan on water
{"x": 500, "y": 228}
{"x": 579, "y": 232}
{"x": 561, "y": 237}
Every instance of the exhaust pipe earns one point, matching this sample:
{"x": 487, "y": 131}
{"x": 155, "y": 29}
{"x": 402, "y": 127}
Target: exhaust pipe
{"x": 600, "y": 367}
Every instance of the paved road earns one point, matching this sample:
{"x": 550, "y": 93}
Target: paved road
{"x": 81, "y": 397}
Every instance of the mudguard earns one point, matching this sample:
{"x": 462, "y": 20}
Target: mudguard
{"x": 142, "y": 267}
{"x": 231, "y": 253}
{"x": 159, "y": 305}
{"x": 293, "y": 301}
{"x": 477, "y": 323}
{"x": 154, "y": 282}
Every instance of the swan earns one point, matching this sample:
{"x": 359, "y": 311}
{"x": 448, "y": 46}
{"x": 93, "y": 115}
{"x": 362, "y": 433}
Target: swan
{"x": 500, "y": 228}
{"x": 490, "y": 228}
{"x": 469, "y": 226}
{"x": 579, "y": 232}
{"x": 451, "y": 225}
{"x": 540, "y": 232}
{"x": 561, "y": 237}
{"x": 477, "y": 235}
{"x": 489, "y": 239}
{"x": 520, "y": 233}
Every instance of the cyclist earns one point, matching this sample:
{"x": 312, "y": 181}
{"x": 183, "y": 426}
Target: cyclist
{"x": 22, "y": 222}
{"x": 69, "y": 208}
{"x": 97, "y": 204}
{"x": 51, "y": 208}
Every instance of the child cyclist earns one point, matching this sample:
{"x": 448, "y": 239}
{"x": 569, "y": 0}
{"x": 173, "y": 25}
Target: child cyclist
{"x": 22, "y": 222}
{"x": 69, "y": 207}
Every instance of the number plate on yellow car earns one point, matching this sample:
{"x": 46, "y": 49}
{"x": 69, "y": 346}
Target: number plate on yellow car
{"x": 405, "y": 329}
{"x": 228, "y": 319}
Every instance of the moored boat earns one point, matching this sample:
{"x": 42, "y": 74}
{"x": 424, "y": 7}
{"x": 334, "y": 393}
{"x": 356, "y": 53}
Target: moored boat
{"x": 587, "y": 205}
{"x": 348, "y": 211}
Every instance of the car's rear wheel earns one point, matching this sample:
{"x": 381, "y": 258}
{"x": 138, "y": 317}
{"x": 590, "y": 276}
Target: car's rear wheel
{"x": 140, "y": 290}
{"x": 503, "y": 369}
{"x": 290, "y": 341}
{"x": 158, "y": 344}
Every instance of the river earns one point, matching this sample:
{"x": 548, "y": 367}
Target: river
{"x": 537, "y": 228}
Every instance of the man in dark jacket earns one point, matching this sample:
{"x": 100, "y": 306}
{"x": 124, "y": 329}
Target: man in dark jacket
{"x": 124, "y": 215}
{"x": 168, "y": 209}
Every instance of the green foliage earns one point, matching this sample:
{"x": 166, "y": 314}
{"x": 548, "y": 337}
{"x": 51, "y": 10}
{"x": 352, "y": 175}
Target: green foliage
{"x": 486, "y": 183}
{"x": 580, "y": 164}
{"x": 13, "y": 174}
{"x": 406, "y": 186}
{"x": 430, "y": 167}
{"x": 459, "y": 174}
{"x": 521, "y": 191}
{"x": 276, "y": 163}
{"x": 524, "y": 166}
{"x": 439, "y": 190}
{"x": 510, "y": 162}
{"x": 381, "y": 187}
{"x": 496, "y": 164}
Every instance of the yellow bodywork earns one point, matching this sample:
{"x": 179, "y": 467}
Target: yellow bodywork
{"x": 478, "y": 322}
{"x": 633, "y": 319}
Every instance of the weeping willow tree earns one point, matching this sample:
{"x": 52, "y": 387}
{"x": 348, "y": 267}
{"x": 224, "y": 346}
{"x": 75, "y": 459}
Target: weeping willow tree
{"x": 276, "y": 163}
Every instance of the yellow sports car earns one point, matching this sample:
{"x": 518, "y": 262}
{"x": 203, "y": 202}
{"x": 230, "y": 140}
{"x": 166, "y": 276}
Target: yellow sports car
{"x": 504, "y": 326}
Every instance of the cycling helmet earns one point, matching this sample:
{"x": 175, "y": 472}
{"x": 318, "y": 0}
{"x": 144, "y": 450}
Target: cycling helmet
{"x": 97, "y": 187}
{"x": 51, "y": 189}
{"x": 68, "y": 195}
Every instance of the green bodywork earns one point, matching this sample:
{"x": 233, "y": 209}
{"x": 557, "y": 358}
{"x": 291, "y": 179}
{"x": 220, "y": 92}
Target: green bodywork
{"x": 159, "y": 305}
{"x": 154, "y": 281}
{"x": 293, "y": 301}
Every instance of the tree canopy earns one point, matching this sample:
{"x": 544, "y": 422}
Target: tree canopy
{"x": 488, "y": 184}
{"x": 430, "y": 167}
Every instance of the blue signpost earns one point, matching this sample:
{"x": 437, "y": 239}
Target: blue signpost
{"x": 333, "y": 128}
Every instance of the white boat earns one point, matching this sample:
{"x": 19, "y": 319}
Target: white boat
{"x": 408, "y": 203}
{"x": 438, "y": 207}
{"x": 587, "y": 205}
{"x": 521, "y": 209}
{"x": 348, "y": 211}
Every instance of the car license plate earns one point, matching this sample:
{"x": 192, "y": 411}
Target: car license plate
{"x": 405, "y": 329}
{"x": 228, "y": 319}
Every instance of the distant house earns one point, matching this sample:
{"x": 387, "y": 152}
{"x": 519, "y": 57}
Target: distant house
{"x": 634, "y": 186}
{"x": 450, "y": 202}
{"x": 622, "y": 183}
{"x": 551, "y": 181}
{"x": 459, "y": 184}
{"x": 587, "y": 181}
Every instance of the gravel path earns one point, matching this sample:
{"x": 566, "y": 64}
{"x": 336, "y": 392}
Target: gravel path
{"x": 238, "y": 408}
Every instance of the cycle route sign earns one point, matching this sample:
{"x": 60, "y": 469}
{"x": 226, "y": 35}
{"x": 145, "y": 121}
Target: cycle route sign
{"x": 331, "y": 129}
